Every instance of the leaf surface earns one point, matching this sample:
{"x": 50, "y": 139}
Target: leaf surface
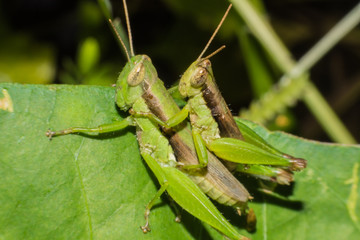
{"x": 324, "y": 200}
{"x": 97, "y": 187}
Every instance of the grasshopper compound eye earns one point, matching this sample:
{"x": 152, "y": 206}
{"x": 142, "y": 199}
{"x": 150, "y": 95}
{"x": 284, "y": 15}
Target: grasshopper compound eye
{"x": 199, "y": 77}
{"x": 136, "y": 76}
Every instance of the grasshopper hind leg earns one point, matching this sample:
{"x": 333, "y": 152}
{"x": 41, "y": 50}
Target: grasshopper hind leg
{"x": 146, "y": 227}
{"x": 176, "y": 209}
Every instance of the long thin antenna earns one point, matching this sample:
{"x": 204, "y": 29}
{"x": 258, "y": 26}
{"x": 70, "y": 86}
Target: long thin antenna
{"x": 128, "y": 28}
{"x": 215, "y": 32}
{"x": 121, "y": 41}
{"x": 215, "y": 52}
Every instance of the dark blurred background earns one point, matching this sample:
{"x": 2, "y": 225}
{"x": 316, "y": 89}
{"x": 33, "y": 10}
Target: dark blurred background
{"x": 69, "y": 42}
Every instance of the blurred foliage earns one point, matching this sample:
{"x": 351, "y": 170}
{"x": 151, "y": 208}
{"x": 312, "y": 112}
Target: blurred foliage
{"x": 25, "y": 61}
{"x": 87, "y": 69}
{"x": 56, "y": 35}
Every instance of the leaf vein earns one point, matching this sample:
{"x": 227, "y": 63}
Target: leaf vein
{"x": 83, "y": 187}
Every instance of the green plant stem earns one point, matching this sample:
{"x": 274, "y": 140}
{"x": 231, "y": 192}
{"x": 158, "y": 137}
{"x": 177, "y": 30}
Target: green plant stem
{"x": 107, "y": 8}
{"x": 265, "y": 34}
{"x": 282, "y": 57}
{"x": 326, "y": 116}
{"x": 343, "y": 27}
{"x": 313, "y": 99}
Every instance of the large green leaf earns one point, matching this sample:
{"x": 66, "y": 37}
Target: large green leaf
{"x": 96, "y": 187}
{"x": 324, "y": 203}
{"x": 73, "y": 187}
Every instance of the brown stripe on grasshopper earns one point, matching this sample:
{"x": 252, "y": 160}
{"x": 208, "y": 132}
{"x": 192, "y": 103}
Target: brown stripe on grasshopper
{"x": 219, "y": 109}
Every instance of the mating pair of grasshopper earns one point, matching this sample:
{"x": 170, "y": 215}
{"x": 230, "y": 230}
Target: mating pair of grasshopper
{"x": 182, "y": 157}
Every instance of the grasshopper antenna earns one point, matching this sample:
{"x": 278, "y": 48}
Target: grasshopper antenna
{"x": 215, "y": 52}
{"x": 215, "y": 32}
{"x": 128, "y": 28}
{"x": 121, "y": 41}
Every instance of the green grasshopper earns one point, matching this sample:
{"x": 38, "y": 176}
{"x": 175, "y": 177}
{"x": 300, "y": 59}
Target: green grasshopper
{"x": 214, "y": 127}
{"x": 211, "y": 118}
{"x": 139, "y": 88}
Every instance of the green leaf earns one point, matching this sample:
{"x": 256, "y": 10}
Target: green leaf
{"x": 324, "y": 203}
{"x": 73, "y": 187}
{"x": 97, "y": 187}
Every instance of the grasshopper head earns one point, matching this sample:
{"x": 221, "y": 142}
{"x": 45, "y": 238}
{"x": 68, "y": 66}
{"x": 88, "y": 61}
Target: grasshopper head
{"x": 134, "y": 79}
{"x": 195, "y": 78}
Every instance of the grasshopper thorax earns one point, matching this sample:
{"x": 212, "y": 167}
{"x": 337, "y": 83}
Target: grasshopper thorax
{"x": 134, "y": 79}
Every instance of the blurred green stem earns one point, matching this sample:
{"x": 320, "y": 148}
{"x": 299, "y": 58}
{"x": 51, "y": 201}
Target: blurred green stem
{"x": 326, "y": 116}
{"x": 342, "y": 28}
{"x": 107, "y": 9}
{"x": 282, "y": 57}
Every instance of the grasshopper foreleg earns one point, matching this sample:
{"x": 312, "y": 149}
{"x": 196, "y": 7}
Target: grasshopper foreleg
{"x": 150, "y": 116}
{"x": 104, "y": 128}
